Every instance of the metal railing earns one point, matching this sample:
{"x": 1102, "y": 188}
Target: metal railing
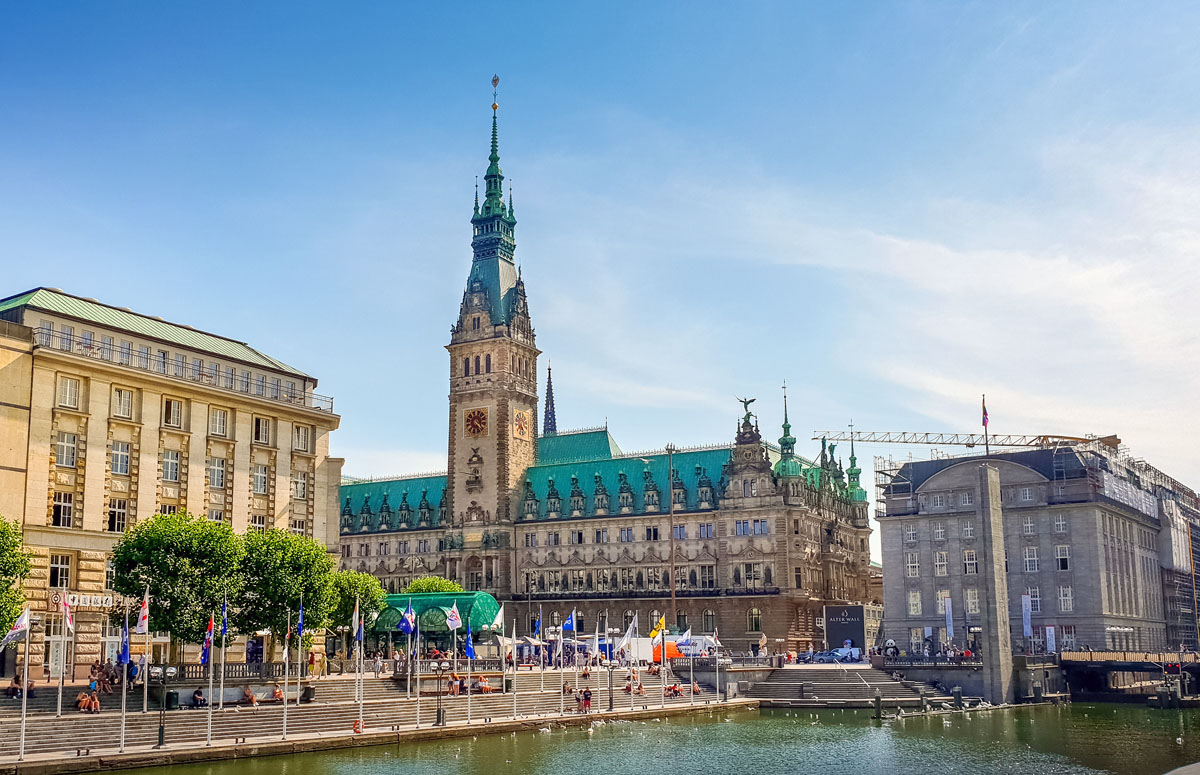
{"x": 643, "y": 593}
{"x": 932, "y": 662}
{"x": 254, "y": 671}
{"x": 75, "y": 344}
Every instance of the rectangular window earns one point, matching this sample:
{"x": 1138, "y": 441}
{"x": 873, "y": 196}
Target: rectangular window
{"x": 938, "y": 501}
{"x": 66, "y": 338}
{"x": 1066, "y": 599}
{"x": 60, "y": 571}
{"x": 941, "y": 562}
{"x": 912, "y": 565}
{"x": 245, "y": 386}
{"x": 301, "y": 438}
{"x": 602, "y": 535}
{"x": 910, "y": 532}
{"x": 180, "y": 364}
{"x": 651, "y": 534}
{"x": 966, "y": 499}
{"x": 276, "y": 387}
{"x": 968, "y": 528}
{"x": 260, "y": 385}
{"x": 218, "y": 422}
{"x": 68, "y": 392}
{"x": 168, "y": 508}
{"x": 970, "y": 562}
{"x": 258, "y": 521}
{"x": 120, "y": 458}
{"x": 708, "y": 577}
{"x": 1035, "y": 599}
{"x": 216, "y": 515}
{"x": 1031, "y": 559}
{"x": 1062, "y": 553}
{"x": 942, "y": 594}
{"x": 939, "y": 531}
{"x": 552, "y": 539}
{"x": 197, "y": 368}
{"x": 160, "y": 361}
{"x": 760, "y": 527}
{"x": 971, "y": 596}
{"x": 110, "y": 576}
{"x": 916, "y": 640}
{"x": 216, "y": 473}
{"x": 260, "y": 480}
{"x": 1060, "y": 523}
{"x": 230, "y": 377}
{"x": 914, "y": 602}
{"x": 172, "y": 413}
{"x": 66, "y": 448}
{"x": 1027, "y": 526}
{"x": 679, "y": 532}
{"x": 799, "y": 573}
{"x": 86, "y": 340}
{"x": 1026, "y": 494}
{"x": 170, "y": 465}
{"x": 106, "y": 347}
{"x": 300, "y": 485}
{"x": 143, "y": 361}
{"x": 402, "y": 546}
{"x": 64, "y": 509}
{"x": 531, "y": 540}
{"x": 122, "y": 403}
{"x": 706, "y": 530}
{"x": 118, "y": 514}
{"x": 262, "y": 430}
{"x": 626, "y": 535}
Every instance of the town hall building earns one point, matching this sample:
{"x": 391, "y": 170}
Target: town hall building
{"x": 553, "y": 521}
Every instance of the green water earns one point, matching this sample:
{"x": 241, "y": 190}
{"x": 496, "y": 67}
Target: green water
{"x": 1072, "y": 740}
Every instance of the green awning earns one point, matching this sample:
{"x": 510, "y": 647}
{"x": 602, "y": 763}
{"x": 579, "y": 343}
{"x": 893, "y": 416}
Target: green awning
{"x": 478, "y": 609}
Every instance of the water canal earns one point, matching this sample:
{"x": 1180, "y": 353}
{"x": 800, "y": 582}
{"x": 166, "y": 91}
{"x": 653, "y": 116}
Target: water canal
{"x": 1078, "y": 739}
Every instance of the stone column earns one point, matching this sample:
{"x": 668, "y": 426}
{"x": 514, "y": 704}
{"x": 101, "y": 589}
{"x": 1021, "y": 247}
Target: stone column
{"x": 997, "y": 645}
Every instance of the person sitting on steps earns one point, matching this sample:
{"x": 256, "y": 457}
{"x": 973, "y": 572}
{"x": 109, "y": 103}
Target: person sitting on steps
{"x": 277, "y": 693}
{"x": 248, "y": 697}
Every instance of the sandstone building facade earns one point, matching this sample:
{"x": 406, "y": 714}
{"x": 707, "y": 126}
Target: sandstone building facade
{"x": 110, "y": 416}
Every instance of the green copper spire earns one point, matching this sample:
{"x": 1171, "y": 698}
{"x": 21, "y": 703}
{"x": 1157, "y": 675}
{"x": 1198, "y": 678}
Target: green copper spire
{"x": 493, "y": 179}
{"x": 853, "y": 473}
{"x": 787, "y": 465}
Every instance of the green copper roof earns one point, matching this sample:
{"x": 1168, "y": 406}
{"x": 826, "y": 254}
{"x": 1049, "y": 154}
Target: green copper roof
{"x": 476, "y": 609}
{"x": 398, "y": 491}
{"x": 592, "y": 444}
{"x": 86, "y": 311}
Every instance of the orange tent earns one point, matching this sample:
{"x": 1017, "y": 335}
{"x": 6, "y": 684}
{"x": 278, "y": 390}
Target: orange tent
{"x": 672, "y": 652}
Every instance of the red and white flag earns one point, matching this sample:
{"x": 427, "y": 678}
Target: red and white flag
{"x": 68, "y": 617}
{"x": 143, "y": 622}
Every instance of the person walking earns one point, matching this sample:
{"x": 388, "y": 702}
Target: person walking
{"x": 378, "y": 664}
{"x": 587, "y": 700}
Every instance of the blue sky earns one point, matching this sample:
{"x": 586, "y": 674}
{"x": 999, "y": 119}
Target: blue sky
{"x": 893, "y": 206}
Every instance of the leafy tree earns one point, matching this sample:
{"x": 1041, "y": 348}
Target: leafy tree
{"x": 277, "y": 567}
{"x": 191, "y": 564}
{"x": 431, "y": 584}
{"x": 350, "y": 585}
{"x": 14, "y": 568}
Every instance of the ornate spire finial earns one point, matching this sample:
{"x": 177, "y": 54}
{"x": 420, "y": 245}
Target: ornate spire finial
{"x": 477, "y": 195}
{"x": 511, "y": 212}
{"x": 549, "y": 420}
{"x": 787, "y": 442}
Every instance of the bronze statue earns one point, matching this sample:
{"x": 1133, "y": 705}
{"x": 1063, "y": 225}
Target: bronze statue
{"x": 746, "y": 407}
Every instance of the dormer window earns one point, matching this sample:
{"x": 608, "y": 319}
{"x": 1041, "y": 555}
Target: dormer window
{"x": 475, "y": 323}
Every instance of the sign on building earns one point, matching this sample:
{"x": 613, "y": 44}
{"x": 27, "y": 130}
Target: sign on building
{"x": 845, "y": 626}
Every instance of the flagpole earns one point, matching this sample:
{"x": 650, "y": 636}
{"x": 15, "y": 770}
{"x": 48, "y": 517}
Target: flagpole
{"x": 575, "y": 650}
{"x": 286, "y": 638}
{"x": 25, "y": 690}
{"x": 124, "y": 675}
{"x": 299, "y": 652}
{"x": 469, "y": 673}
{"x": 62, "y": 639}
{"x": 562, "y": 676}
{"x": 360, "y": 637}
{"x": 209, "y": 659}
{"x": 145, "y": 671}
{"x": 986, "y": 446}
{"x": 409, "y": 653}
{"x": 632, "y": 661}
{"x": 224, "y": 617}
{"x": 691, "y": 677}
{"x": 514, "y": 648}
{"x": 541, "y": 650}
{"x": 417, "y": 655}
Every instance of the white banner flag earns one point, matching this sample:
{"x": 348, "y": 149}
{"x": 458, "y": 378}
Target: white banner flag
{"x": 949, "y": 618}
{"x": 1027, "y": 615}
{"x": 1051, "y": 641}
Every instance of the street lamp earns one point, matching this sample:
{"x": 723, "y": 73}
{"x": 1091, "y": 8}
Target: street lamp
{"x": 162, "y": 675}
{"x": 441, "y": 713}
{"x": 610, "y": 663}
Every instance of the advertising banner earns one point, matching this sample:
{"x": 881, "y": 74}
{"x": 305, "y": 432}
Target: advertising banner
{"x": 1027, "y": 615}
{"x": 949, "y": 618}
{"x": 845, "y": 626}
{"x": 1051, "y": 641}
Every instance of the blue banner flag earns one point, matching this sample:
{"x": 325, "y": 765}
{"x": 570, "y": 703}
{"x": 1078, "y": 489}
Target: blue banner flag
{"x": 300, "y": 624}
{"x": 537, "y": 626}
{"x": 224, "y": 617}
{"x": 208, "y": 637}
{"x": 123, "y": 654}
{"x": 469, "y": 648}
{"x": 408, "y": 620}
{"x": 569, "y": 624}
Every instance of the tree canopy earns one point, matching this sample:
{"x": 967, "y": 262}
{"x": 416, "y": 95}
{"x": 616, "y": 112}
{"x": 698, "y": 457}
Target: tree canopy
{"x": 431, "y": 584}
{"x": 189, "y": 562}
{"x": 14, "y": 568}
{"x": 278, "y": 565}
{"x": 350, "y": 585}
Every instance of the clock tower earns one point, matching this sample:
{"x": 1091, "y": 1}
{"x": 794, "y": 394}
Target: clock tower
{"x": 493, "y": 390}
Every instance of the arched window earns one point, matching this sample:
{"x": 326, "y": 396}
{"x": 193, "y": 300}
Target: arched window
{"x": 554, "y": 618}
{"x": 754, "y": 620}
{"x": 746, "y": 489}
{"x": 476, "y": 364}
{"x": 652, "y": 622}
{"x": 466, "y": 367}
{"x": 708, "y": 621}
{"x": 627, "y": 619}
{"x": 767, "y": 575}
{"x": 692, "y": 578}
{"x": 681, "y": 622}
{"x": 641, "y": 580}
{"x": 487, "y": 364}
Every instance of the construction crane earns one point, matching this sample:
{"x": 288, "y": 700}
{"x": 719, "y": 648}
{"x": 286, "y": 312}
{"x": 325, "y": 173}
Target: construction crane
{"x": 1042, "y": 441}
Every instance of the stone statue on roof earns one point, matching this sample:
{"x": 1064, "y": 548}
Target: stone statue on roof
{"x": 746, "y": 407}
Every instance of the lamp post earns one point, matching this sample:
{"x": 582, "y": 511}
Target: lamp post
{"x": 610, "y": 663}
{"x": 342, "y": 629}
{"x": 671, "y": 520}
{"x": 162, "y": 675}
{"x": 441, "y": 713}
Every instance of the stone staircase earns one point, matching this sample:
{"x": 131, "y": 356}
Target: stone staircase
{"x": 851, "y": 687}
{"x": 334, "y": 711}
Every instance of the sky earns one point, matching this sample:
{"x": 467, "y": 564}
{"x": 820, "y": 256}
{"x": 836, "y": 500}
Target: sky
{"x": 895, "y": 207}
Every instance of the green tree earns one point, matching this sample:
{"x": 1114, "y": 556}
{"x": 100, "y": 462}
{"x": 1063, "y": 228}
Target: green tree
{"x": 350, "y": 585}
{"x": 431, "y": 584}
{"x": 189, "y": 562}
{"x": 277, "y": 567}
{"x": 14, "y": 568}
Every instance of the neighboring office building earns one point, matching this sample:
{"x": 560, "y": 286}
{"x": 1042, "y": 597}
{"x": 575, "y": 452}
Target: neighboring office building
{"x": 110, "y": 416}
{"x": 764, "y": 537}
{"x": 1082, "y": 531}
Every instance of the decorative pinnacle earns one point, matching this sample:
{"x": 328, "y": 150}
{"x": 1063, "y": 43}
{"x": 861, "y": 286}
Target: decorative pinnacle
{"x": 477, "y": 195}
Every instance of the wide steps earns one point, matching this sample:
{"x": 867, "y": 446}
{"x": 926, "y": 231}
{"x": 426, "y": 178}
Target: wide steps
{"x": 827, "y": 686}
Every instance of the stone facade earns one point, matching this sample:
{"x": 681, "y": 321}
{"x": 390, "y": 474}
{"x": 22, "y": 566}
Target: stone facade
{"x": 1080, "y": 537}
{"x": 762, "y": 537}
{"x": 110, "y": 417}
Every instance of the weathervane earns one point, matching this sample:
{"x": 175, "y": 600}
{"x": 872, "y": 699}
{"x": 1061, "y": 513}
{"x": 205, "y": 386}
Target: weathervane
{"x": 495, "y": 83}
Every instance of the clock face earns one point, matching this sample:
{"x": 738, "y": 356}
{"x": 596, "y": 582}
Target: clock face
{"x": 475, "y": 422}
{"x": 522, "y": 423}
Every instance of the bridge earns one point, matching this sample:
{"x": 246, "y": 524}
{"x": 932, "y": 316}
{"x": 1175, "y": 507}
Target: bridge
{"x": 1130, "y": 661}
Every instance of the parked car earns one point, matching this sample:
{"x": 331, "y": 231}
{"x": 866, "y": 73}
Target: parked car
{"x": 825, "y": 657}
{"x": 838, "y": 655}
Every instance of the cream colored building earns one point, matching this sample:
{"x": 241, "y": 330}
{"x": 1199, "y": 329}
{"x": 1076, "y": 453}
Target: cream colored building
{"x": 110, "y": 416}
